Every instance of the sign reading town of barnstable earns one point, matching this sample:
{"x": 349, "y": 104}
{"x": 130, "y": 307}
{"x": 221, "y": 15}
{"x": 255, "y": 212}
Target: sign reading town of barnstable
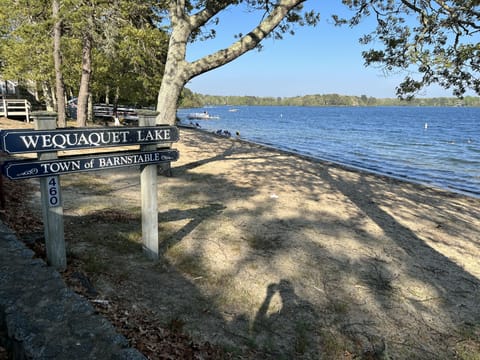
{"x": 21, "y": 141}
{"x": 29, "y": 169}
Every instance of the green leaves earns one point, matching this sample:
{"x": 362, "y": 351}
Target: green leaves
{"x": 436, "y": 41}
{"x": 129, "y": 50}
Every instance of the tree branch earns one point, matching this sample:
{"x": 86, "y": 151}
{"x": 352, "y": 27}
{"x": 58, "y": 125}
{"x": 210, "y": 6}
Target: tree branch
{"x": 246, "y": 43}
{"x": 202, "y": 17}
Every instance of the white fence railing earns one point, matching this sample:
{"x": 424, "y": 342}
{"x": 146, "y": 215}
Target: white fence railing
{"x": 15, "y": 107}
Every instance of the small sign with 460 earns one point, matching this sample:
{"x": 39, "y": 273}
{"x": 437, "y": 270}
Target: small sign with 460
{"x": 53, "y": 191}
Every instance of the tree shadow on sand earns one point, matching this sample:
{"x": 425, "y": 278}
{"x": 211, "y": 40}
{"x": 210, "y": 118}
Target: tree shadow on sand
{"x": 326, "y": 299}
{"x": 459, "y": 288}
{"x": 452, "y": 291}
{"x": 195, "y": 216}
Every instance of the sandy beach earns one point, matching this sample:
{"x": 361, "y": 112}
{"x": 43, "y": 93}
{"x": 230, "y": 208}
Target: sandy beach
{"x": 271, "y": 255}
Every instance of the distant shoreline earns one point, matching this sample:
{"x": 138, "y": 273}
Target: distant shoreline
{"x": 193, "y": 100}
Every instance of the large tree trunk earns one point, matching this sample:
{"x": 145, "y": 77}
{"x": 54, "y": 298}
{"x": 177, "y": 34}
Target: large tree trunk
{"x": 169, "y": 94}
{"x": 57, "y": 59}
{"x": 82, "y": 108}
{"x": 175, "y": 74}
{"x": 178, "y": 71}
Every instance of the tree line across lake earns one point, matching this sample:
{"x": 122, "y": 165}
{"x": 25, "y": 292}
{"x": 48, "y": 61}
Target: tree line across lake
{"x": 191, "y": 99}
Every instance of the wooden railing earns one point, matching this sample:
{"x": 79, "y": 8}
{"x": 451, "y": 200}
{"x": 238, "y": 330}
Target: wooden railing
{"x": 15, "y": 107}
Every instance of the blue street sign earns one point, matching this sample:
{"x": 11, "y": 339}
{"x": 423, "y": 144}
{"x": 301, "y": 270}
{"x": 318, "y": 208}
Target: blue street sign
{"x": 27, "y": 141}
{"x": 24, "y": 169}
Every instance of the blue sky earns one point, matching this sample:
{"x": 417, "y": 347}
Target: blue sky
{"x": 317, "y": 60}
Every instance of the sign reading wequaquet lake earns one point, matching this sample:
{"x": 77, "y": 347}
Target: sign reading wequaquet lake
{"x": 23, "y": 169}
{"x": 47, "y": 140}
{"x": 22, "y": 141}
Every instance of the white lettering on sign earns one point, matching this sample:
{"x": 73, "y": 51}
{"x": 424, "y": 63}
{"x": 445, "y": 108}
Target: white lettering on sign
{"x": 61, "y": 166}
{"x": 53, "y": 191}
{"x": 63, "y": 141}
{"x": 129, "y": 159}
{"x": 154, "y": 135}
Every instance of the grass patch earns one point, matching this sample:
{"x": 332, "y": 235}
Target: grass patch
{"x": 332, "y": 348}
{"x": 264, "y": 242}
{"x": 469, "y": 348}
{"x": 87, "y": 183}
{"x": 126, "y": 242}
{"x": 93, "y": 263}
{"x": 302, "y": 341}
{"x": 338, "y": 307}
{"x": 185, "y": 261}
{"x": 166, "y": 231}
{"x": 231, "y": 295}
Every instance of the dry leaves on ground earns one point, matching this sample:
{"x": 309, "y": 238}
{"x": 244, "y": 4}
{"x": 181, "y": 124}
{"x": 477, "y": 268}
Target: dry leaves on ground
{"x": 143, "y": 333}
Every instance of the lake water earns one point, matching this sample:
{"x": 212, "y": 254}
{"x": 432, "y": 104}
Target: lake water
{"x": 439, "y": 146}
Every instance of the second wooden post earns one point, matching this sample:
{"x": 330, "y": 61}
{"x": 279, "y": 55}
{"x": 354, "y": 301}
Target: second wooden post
{"x": 149, "y": 189}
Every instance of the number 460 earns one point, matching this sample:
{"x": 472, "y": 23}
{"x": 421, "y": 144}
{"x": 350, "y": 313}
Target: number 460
{"x": 53, "y": 191}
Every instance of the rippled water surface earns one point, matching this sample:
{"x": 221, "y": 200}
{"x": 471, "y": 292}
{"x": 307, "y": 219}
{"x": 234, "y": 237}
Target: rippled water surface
{"x": 434, "y": 145}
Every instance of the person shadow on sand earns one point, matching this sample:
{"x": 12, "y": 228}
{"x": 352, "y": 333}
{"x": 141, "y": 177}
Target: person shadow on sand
{"x": 288, "y": 331}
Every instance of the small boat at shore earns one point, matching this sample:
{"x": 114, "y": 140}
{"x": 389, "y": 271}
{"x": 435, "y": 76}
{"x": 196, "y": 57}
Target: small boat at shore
{"x": 202, "y": 116}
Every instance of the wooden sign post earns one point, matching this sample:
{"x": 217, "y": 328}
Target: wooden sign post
{"x": 46, "y": 140}
{"x": 52, "y": 207}
{"x": 149, "y": 189}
